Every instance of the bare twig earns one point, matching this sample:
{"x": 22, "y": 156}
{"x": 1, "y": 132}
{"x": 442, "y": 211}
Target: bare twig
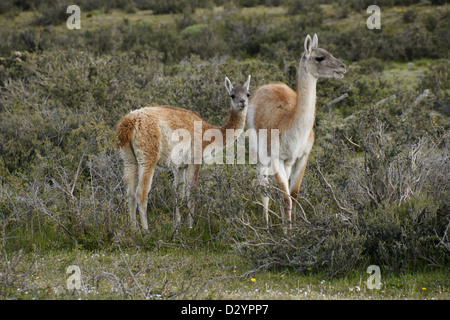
{"x": 299, "y": 204}
{"x": 391, "y": 97}
{"x": 421, "y": 96}
{"x": 79, "y": 166}
{"x": 355, "y": 144}
{"x": 442, "y": 241}
{"x": 338, "y": 99}
{"x": 132, "y": 274}
{"x": 333, "y": 194}
{"x": 260, "y": 204}
{"x": 419, "y": 99}
{"x": 39, "y": 205}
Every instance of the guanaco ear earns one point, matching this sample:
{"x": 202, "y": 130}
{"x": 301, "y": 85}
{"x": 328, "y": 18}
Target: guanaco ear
{"x": 315, "y": 41}
{"x": 228, "y": 85}
{"x": 308, "y": 45}
{"x": 247, "y": 83}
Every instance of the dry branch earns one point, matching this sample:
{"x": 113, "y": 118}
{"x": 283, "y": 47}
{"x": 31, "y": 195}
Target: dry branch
{"x": 338, "y": 99}
{"x": 381, "y": 102}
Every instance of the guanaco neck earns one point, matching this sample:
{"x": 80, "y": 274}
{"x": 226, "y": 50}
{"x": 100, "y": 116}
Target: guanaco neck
{"x": 305, "y": 111}
{"x": 236, "y": 121}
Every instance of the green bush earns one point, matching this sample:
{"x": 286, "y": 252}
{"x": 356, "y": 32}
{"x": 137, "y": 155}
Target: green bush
{"x": 175, "y": 6}
{"x": 437, "y": 79}
{"x": 59, "y": 110}
{"x": 374, "y": 193}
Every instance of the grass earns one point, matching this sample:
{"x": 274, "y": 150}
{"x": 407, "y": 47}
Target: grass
{"x": 176, "y": 273}
{"x": 90, "y": 18}
{"x": 406, "y": 74}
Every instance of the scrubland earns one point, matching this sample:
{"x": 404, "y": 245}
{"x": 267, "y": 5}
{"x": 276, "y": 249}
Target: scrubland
{"x": 375, "y": 190}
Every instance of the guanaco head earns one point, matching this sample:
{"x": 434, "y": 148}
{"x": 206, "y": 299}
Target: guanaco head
{"x": 319, "y": 62}
{"x": 239, "y": 95}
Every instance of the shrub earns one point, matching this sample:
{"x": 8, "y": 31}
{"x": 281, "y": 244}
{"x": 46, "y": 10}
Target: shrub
{"x": 409, "y": 16}
{"x": 373, "y": 193}
{"x": 302, "y": 7}
{"x": 175, "y": 6}
{"x": 52, "y": 13}
{"x": 437, "y": 79}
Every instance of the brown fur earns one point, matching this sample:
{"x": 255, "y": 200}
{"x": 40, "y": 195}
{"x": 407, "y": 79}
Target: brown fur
{"x": 282, "y": 101}
{"x": 144, "y": 141}
{"x": 276, "y": 106}
{"x": 125, "y": 129}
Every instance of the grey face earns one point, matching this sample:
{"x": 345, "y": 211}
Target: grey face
{"x": 322, "y": 64}
{"x": 319, "y": 62}
{"x": 239, "y": 95}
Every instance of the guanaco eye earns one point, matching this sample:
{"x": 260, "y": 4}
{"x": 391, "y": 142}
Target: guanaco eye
{"x": 318, "y": 59}
{"x": 248, "y": 94}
